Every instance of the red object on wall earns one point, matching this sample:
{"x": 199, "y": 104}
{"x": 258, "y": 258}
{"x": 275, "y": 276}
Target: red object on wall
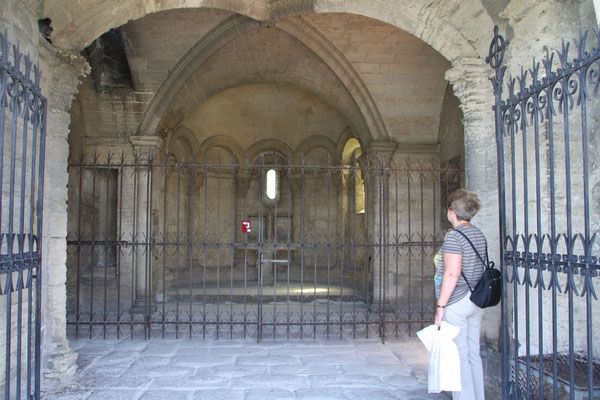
{"x": 246, "y": 228}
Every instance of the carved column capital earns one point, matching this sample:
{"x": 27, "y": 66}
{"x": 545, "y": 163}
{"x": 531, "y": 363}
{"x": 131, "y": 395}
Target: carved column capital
{"x": 152, "y": 142}
{"x": 146, "y": 147}
{"x": 470, "y": 79}
{"x": 381, "y": 151}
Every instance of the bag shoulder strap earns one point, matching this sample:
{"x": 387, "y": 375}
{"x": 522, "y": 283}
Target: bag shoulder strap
{"x": 485, "y": 264}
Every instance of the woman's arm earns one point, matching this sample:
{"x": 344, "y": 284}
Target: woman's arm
{"x": 452, "y": 268}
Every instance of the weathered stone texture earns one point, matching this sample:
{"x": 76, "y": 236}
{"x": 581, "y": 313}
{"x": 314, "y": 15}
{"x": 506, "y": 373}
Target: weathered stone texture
{"x": 451, "y": 133}
{"x": 377, "y": 79}
{"x": 402, "y": 73}
{"x": 254, "y": 112}
{"x": 59, "y": 82}
{"x": 153, "y": 46}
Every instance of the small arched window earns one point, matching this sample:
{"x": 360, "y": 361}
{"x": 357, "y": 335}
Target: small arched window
{"x": 272, "y": 184}
{"x": 352, "y": 151}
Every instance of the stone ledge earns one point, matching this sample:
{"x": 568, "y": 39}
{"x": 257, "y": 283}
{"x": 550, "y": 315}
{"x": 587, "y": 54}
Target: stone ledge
{"x": 406, "y": 148}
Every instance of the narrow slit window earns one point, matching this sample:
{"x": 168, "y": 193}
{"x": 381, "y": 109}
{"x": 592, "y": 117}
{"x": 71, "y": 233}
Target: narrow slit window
{"x": 271, "y": 184}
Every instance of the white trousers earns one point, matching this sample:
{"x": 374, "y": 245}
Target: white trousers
{"x": 467, "y": 316}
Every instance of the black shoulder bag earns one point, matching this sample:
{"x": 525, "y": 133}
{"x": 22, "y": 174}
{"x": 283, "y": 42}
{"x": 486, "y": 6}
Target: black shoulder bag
{"x": 488, "y": 291}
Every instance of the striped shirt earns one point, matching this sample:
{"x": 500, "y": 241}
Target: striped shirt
{"x": 455, "y": 243}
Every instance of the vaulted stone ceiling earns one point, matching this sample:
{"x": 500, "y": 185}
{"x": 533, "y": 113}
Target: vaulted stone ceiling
{"x": 384, "y": 82}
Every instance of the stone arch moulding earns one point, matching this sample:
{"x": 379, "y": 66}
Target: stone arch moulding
{"x": 372, "y": 126}
{"x": 227, "y": 30}
{"x": 321, "y": 142}
{"x": 224, "y": 142}
{"x": 270, "y": 145}
{"x": 76, "y": 27}
{"x": 436, "y": 24}
{"x": 341, "y": 143}
{"x": 185, "y": 134}
{"x": 308, "y": 35}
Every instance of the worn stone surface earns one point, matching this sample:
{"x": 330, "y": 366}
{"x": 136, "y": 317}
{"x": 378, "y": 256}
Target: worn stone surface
{"x": 459, "y": 31}
{"x": 358, "y": 369}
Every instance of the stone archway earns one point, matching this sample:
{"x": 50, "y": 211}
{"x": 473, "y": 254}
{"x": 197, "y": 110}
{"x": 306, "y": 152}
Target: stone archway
{"x": 191, "y": 82}
{"x": 366, "y": 121}
{"x": 361, "y": 99}
{"x": 436, "y": 24}
{"x": 453, "y": 31}
{"x": 77, "y": 25}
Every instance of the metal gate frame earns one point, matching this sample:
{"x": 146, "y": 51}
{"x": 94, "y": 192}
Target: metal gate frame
{"x": 100, "y": 298}
{"x": 22, "y": 145}
{"x": 552, "y": 114}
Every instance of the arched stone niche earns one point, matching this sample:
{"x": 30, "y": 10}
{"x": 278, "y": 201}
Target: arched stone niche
{"x": 453, "y": 29}
{"x": 182, "y": 145}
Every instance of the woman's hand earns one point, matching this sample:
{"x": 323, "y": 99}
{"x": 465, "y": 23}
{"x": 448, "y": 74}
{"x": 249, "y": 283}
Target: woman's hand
{"x": 439, "y": 315}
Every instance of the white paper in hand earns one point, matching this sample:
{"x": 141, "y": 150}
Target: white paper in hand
{"x": 444, "y": 361}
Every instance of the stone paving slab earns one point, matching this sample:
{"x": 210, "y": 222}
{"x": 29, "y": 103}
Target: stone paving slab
{"x": 194, "y": 369}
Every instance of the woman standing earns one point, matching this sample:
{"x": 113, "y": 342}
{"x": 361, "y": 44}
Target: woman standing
{"x": 453, "y": 304}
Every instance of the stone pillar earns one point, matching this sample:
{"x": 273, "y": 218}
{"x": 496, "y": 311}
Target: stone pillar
{"x": 60, "y": 76}
{"x": 145, "y": 149}
{"x": 470, "y": 79}
{"x": 378, "y": 154}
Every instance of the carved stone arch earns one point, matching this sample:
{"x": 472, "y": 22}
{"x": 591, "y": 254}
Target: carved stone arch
{"x": 302, "y": 30}
{"x": 298, "y": 178}
{"x": 183, "y": 138}
{"x": 269, "y": 146}
{"x": 225, "y": 142}
{"x": 447, "y": 29}
{"x": 210, "y": 43}
{"x": 350, "y": 99}
{"x": 75, "y": 29}
{"x": 321, "y": 142}
{"x": 434, "y": 23}
{"x": 341, "y": 143}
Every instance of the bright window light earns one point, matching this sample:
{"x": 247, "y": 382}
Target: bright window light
{"x": 271, "y": 184}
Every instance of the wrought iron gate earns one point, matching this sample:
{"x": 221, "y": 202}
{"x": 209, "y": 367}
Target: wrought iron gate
{"x": 277, "y": 246}
{"x": 22, "y": 139}
{"x": 547, "y": 133}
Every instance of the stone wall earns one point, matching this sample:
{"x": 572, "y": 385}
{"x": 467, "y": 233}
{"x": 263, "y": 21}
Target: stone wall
{"x": 452, "y": 152}
{"x": 59, "y": 76}
{"x": 402, "y": 73}
{"x": 453, "y": 30}
{"x": 411, "y": 110}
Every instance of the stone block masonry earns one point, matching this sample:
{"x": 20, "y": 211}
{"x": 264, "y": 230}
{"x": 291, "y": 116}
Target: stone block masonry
{"x": 235, "y": 369}
{"x": 456, "y": 29}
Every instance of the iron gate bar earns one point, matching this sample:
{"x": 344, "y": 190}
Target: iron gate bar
{"x": 182, "y": 186}
{"x": 533, "y": 104}
{"x": 20, "y": 94}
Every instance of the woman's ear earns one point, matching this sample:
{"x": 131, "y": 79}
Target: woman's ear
{"x": 451, "y": 215}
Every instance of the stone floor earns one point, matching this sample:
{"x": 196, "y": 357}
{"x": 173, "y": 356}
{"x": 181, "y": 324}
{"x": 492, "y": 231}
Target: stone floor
{"x": 243, "y": 369}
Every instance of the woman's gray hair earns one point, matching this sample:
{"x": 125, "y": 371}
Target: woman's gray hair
{"x": 464, "y": 203}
